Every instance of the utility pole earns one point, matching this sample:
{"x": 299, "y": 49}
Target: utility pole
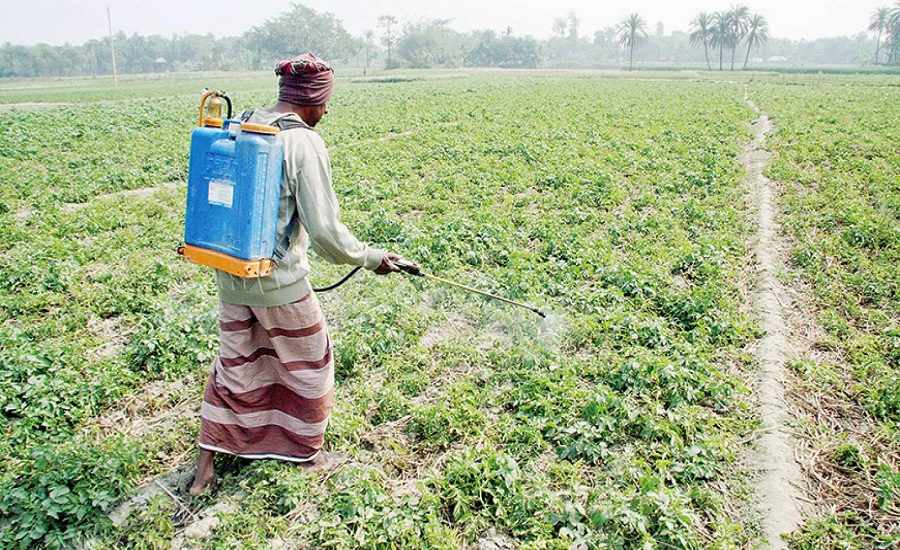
{"x": 112, "y": 48}
{"x": 369, "y": 36}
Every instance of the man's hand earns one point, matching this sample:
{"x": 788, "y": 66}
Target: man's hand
{"x": 387, "y": 264}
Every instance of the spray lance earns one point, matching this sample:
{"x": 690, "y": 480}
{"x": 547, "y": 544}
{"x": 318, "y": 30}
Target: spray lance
{"x": 411, "y": 268}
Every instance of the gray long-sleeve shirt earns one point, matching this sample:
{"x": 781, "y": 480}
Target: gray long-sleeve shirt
{"x": 306, "y": 193}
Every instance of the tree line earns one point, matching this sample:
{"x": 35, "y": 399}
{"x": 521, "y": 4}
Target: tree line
{"x": 732, "y": 37}
{"x": 726, "y": 31}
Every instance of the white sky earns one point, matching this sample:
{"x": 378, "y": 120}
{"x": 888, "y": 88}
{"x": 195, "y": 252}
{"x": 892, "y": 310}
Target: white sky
{"x": 55, "y": 22}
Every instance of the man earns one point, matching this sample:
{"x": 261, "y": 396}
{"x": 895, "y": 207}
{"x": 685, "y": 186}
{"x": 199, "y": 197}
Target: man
{"x": 271, "y": 387}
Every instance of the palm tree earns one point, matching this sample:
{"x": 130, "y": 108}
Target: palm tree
{"x": 757, "y": 33}
{"x": 632, "y": 32}
{"x": 719, "y": 36}
{"x": 702, "y": 33}
{"x": 737, "y": 18}
{"x": 894, "y": 34}
{"x": 879, "y": 23}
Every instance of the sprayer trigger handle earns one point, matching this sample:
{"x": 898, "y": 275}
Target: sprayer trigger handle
{"x": 408, "y": 266}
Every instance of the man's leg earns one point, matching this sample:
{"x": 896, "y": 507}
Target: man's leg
{"x": 205, "y": 476}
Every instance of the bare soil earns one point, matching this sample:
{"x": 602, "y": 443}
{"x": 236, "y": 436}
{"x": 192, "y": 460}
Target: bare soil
{"x": 32, "y": 106}
{"x": 780, "y": 487}
{"x": 129, "y": 194}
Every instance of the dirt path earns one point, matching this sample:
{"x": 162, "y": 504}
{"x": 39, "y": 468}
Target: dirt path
{"x": 141, "y": 193}
{"x": 389, "y": 136}
{"x": 780, "y": 483}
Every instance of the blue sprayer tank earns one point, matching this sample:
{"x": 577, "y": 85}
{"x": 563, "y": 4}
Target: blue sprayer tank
{"x": 234, "y": 180}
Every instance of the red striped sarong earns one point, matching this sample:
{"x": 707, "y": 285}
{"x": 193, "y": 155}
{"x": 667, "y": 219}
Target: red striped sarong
{"x": 271, "y": 387}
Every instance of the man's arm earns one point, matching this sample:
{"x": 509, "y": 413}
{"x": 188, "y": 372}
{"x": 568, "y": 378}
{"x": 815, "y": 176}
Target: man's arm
{"x": 320, "y": 212}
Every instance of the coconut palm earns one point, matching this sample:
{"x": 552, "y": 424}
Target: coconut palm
{"x": 757, "y": 33}
{"x": 632, "y": 32}
{"x": 702, "y": 33}
{"x": 736, "y": 28}
{"x": 894, "y": 35}
{"x": 879, "y": 23}
{"x": 719, "y": 37}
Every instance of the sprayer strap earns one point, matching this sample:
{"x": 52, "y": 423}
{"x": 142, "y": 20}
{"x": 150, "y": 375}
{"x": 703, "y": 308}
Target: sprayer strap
{"x": 285, "y": 242}
{"x": 284, "y": 124}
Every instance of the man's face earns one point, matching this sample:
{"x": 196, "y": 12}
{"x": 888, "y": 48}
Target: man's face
{"x": 316, "y": 113}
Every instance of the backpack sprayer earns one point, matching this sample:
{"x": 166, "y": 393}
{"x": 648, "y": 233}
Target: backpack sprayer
{"x": 234, "y": 179}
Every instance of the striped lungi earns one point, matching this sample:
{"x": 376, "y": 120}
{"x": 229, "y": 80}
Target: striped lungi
{"x": 271, "y": 387}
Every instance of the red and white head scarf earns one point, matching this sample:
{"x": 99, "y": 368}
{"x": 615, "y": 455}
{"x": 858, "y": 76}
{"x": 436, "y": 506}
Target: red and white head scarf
{"x": 305, "y": 80}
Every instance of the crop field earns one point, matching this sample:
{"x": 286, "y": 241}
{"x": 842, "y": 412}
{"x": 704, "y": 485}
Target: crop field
{"x": 838, "y": 158}
{"x": 626, "y": 419}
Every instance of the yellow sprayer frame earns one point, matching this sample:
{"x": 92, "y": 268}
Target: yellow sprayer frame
{"x": 226, "y": 263}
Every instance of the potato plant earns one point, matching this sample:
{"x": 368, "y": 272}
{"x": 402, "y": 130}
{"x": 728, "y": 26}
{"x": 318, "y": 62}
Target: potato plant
{"x": 838, "y": 159}
{"x": 620, "y": 422}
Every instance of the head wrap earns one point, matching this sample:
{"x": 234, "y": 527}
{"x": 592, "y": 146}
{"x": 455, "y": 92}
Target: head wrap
{"x": 305, "y": 80}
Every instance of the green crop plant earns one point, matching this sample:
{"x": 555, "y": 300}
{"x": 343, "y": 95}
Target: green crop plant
{"x": 838, "y": 161}
{"x": 616, "y": 205}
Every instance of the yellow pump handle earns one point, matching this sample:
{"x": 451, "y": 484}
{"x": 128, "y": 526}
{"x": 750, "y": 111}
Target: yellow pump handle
{"x": 203, "y": 104}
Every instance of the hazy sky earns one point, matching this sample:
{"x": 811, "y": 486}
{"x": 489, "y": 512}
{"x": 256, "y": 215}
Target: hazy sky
{"x": 57, "y": 21}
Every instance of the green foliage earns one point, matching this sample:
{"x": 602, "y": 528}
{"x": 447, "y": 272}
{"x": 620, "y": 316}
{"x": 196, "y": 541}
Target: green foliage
{"x": 173, "y": 340}
{"x": 619, "y": 210}
{"x": 60, "y": 494}
{"x": 839, "y": 531}
{"x": 837, "y": 158}
{"x": 646, "y": 516}
{"x": 363, "y": 515}
{"x": 301, "y": 29}
{"x": 486, "y": 488}
{"x": 43, "y": 395}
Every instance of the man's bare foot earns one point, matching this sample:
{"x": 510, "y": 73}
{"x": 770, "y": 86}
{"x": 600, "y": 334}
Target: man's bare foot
{"x": 325, "y": 460}
{"x": 200, "y": 485}
{"x": 205, "y": 476}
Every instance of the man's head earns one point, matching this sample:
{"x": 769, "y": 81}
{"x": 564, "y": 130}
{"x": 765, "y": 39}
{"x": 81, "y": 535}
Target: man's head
{"x": 311, "y": 114}
{"x": 307, "y": 82}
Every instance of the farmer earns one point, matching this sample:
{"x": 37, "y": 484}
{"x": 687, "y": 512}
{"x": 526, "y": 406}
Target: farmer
{"x": 271, "y": 387}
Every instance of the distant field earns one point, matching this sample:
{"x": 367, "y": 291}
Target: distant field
{"x": 614, "y": 202}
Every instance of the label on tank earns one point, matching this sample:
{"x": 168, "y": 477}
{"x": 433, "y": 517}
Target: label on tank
{"x": 221, "y": 193}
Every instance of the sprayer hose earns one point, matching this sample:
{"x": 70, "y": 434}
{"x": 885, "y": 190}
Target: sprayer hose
{"x": 339, "y": 283}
